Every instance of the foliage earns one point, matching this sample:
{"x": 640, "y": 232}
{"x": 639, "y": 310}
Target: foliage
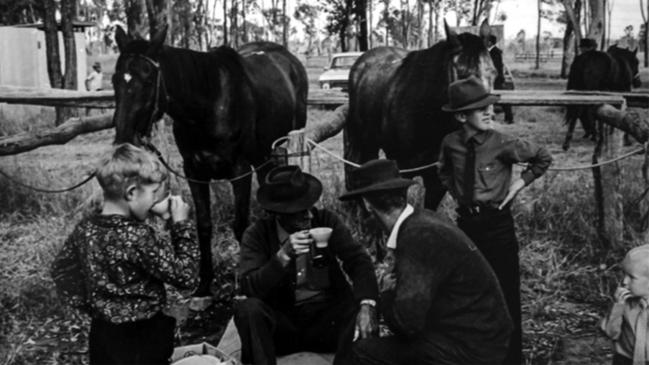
{"x": 338, "y": 18}
{"x": 20, "y": 11}
{"x": 306, "y": 14}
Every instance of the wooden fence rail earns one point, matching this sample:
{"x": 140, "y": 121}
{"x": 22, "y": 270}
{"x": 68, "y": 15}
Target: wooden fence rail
{"x": 105, "y": 99}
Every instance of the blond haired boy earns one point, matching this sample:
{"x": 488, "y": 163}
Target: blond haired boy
{"x": 113, "y": 266}
{"x": 626, "y": 323}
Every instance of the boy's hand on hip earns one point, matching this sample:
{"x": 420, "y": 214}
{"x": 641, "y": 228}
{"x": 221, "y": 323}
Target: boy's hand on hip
{"x": 179, "y": 209}
{"x": 514, "y": 188}
{"x": 622, "y": 294}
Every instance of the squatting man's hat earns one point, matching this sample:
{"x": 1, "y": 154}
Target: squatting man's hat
{"x": 96, "y": 66}
{"x": 287, "y": 190}
{"x": 373, "y": 176}
{"x": 468, "y": 94}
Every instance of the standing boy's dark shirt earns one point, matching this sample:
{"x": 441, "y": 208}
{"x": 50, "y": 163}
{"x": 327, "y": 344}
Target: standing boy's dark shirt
{"x": 113, "y": 267}
{"x": 444, "y": 286}
{"x": 495, "y": 154}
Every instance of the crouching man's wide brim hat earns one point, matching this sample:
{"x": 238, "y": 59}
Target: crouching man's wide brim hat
{"x": 373, "y": 176}
{"x": 468, "y": 94}
{"x": 287, "y": 190}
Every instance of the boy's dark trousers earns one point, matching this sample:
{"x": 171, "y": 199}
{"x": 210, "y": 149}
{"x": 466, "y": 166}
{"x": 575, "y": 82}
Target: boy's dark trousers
{"x": 149, "y": 341}
{"x": 493, "y": 232}
{"x": 326, "y": 326}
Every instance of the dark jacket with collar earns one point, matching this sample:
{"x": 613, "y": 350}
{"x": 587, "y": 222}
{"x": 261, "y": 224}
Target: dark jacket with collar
{"x": 445, "y": 288}
{"x": 262, "y": 275}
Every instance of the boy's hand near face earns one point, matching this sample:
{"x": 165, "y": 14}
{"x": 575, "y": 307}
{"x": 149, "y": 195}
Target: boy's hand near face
{"x": 178, "y": 208}
{"x": 622, "y": 294}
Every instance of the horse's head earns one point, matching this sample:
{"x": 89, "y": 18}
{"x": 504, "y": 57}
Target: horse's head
{"x": 630, "y": 60}
{"x": 470, "y": 55}
{"x": 140, "y": 95}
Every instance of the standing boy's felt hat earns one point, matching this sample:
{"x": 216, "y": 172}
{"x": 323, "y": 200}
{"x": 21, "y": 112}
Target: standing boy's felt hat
{"x": 287, "y": 190}
{"x": 373, "y": 176}
{"x": 468, "y": 94}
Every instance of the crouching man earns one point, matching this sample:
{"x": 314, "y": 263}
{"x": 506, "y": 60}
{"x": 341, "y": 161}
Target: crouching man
{"x": 298, "y": 297}
{"x": 442, "y": 300}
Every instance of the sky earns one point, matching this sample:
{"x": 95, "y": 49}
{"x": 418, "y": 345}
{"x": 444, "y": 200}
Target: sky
{"x": 521, "y": 14}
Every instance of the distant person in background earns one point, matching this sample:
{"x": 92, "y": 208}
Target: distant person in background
{"x": 497, "y": 58}
{"x": 95, "y": 78}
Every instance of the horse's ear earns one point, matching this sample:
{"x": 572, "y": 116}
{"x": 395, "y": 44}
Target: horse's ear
{"x": 451, "y": 37}
{"x": 635, "y": 51}
{"x": 121, "y": 38}
{"x": 485, "y": 29}
{"x": 158, "y": 39}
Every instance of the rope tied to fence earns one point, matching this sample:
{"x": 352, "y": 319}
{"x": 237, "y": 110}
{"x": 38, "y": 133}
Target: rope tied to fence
{"x": 415, "y": 169}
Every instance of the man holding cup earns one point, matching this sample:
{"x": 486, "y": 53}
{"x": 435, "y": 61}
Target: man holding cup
{"x": 442, "y": 300}
{"x": 298, "y": 298}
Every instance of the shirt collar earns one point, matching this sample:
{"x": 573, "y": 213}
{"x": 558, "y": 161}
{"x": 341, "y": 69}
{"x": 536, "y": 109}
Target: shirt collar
{"x": 478, "y": 136}
{"x": 392, "y": 239}
{"x": 490, "y": 48}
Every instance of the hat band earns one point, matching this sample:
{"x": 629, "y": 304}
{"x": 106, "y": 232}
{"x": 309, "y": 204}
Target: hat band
{"x": 471, "y": 101}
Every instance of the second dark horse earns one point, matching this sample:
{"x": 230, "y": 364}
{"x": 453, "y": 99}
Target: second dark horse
{"x": 613, "y": 70}
{"x": 227, "y": 109}
{"x": 395, "y": 100}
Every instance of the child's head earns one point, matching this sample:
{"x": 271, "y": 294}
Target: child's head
{"x": 471, "y": 103}
{"x": 133, "y": 178}
{"x": 636, "y": 271}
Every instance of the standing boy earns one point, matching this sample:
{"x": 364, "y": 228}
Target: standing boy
{"x": 476, "y": 167}
{"x": 113, "y": 267}
{"x": 626, "y": 323}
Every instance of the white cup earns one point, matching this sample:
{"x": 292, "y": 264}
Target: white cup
{"x": 321, "y": 236}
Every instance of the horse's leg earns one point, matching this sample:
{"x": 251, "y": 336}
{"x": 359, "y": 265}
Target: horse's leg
{"x": 357, "y": 150}
{"x": 435, "y": 191}
{"x": 571, "y": 120}
{"x": 201, "y": 196}
{"x": 241, "y": 189}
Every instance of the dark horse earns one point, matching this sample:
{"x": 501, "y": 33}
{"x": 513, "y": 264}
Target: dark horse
{"x": 395, "y": 100}
{"x": 613, "y": 70}
{"x": 227, "y": 109}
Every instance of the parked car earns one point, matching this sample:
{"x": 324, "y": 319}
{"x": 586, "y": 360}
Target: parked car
{"x": 337, "y": 73}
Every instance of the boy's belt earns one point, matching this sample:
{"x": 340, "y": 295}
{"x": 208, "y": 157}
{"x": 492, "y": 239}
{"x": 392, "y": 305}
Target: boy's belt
{"x": 474, "y": 210}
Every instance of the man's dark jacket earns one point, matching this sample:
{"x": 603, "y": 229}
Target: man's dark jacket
{"x": 262, "y": 275}
{"x": 445, "y": 289}
{"x": 497, "y": 59}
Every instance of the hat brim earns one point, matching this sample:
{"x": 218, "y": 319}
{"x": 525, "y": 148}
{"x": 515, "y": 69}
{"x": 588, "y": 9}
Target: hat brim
{"x": 306, "y": 201}
{"x": 391, "y": 184}
{"x": 487, "y": 100}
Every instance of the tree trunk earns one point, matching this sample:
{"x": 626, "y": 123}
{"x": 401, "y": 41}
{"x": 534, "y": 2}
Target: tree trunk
{"x": 597, "y": 28}
{"x": 430, "y": 23}
{"x": 234, "y": 27}
{"x": 52, "y": 44}
{"x": 538, "y": 35}
{"x": 361, "y": 17}
{"x": 420, "y": 24}
{"x": 157, "y": 13}
{"x": 133, "y": 9}
{"x": 568, "y": 44}
{"x": 244, "y": 28}
{"x": 225, "y": 22}
{"x": 285, "y": 25}
{"x": 370, "y": 26}
{"x": 68, "y": 14}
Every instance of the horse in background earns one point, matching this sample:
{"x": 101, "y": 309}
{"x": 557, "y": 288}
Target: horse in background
{"x": 227, "y": 109}
{"x": 395, "y": 100}
{"x": 613, "y": 70}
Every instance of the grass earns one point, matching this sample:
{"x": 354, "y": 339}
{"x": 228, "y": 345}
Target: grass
{"x": 567, "y": 274}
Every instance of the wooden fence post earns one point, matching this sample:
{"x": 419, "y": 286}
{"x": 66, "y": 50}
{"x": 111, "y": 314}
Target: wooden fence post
{"x": 607, "y": 183}
{"x": 298, "y": 150}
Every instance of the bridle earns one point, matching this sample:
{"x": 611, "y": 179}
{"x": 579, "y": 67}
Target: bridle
{"x": 160, "y": 88}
